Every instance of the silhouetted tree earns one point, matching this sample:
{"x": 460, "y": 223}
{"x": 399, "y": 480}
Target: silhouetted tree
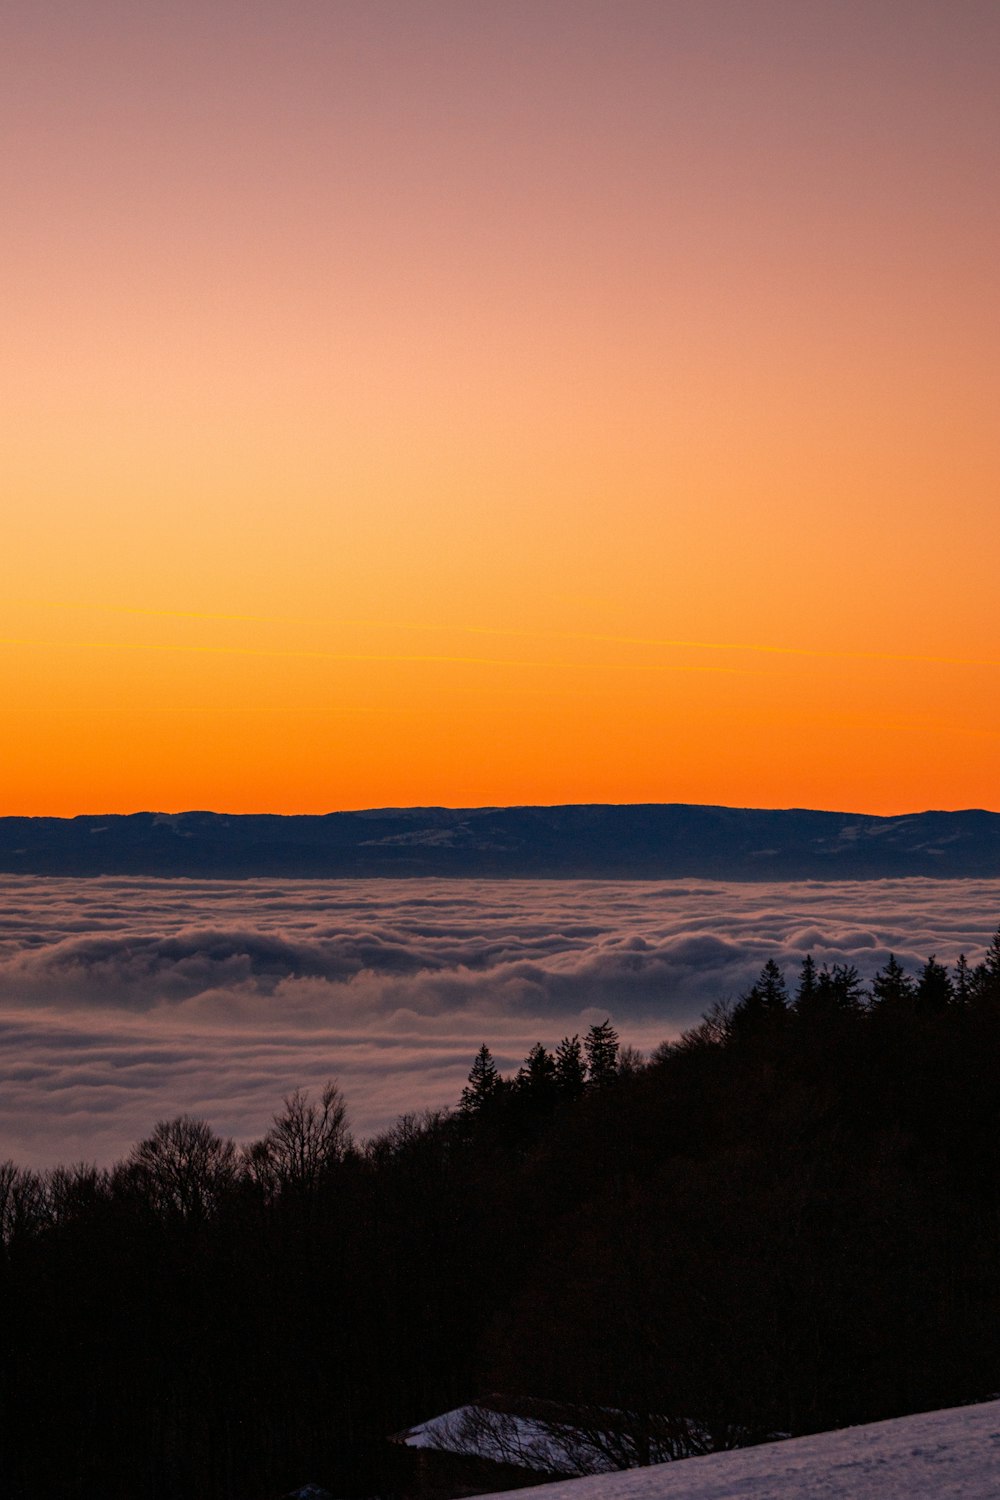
{"x": 22, "y": 1202}
{"x": 631, "y": 1061}
{"x": 963, "y": 982}
{"x": 763, "y": 1007}
{"x": 74, "y": 1192}
{"x": 537, "y": 1074}
{"x": 892, "y": 986}
{"x": 988, "y": 973}
{"x": 601, "y": 1047}
{"x": 483, "y": 1085}
{"x": 933, "y": 992}
{"x": 838, "y": 992}
{"x": 184, "y": 1168}
{"x": 732, "y": 1241}
{"x": 772, "y": 987}
{"x": 305, "y": 1141}
{"x": 713, "y": 1030}
{"x": 806, "y": 992}
{"x": 570, "y": 1068}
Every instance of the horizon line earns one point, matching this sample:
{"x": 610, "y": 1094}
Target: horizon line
{"x": 484, "y": 807}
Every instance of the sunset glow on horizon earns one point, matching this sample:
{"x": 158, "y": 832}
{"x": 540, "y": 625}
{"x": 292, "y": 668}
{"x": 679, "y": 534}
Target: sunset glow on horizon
{"x": 569, "y": 401}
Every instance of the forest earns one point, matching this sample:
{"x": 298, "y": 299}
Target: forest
{"x": 786, "y": 1220}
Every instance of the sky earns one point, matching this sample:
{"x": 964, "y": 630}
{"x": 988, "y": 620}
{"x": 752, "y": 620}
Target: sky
{"x": 127, "y": 1001}
{"x": 416, "y": 402}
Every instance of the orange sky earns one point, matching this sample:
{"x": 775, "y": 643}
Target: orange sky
{"x": 421, "y": 402}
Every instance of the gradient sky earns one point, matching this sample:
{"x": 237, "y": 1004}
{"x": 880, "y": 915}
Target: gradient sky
{"x": 420, "y": 401}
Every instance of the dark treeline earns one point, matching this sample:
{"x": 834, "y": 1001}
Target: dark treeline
{"x": 785, "y": 1221}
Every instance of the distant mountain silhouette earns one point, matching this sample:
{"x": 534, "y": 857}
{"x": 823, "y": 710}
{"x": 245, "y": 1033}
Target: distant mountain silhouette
{"x": 653, "y": 841}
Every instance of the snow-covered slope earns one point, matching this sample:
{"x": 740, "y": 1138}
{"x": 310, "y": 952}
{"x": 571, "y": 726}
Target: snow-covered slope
{"x": 939, "y": 1454}
{"x": 549, "y": 1439}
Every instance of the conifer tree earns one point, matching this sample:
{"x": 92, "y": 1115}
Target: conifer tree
{"x": 992, "y": 959}
{"x": 838, "y": 992}
{"x": 772, "y": 988}
{"x": 601, "y": 1047}
{"x": 934, "y": 992}
{"x": 537, "y": 1073}
{"x": 747, "y": 1018}
{"x": 892, "y": 985}
{"x": 483, "y": 1084}
{"x": 962, "y": 987}
{"x": 988, "y": 972}
{"x": 807, "y": 981}
{"x": 570, "y": 1071}
{"x": 846, "y": 989}
{"x": 764, "y": 1005}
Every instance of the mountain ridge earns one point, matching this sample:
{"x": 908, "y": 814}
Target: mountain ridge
{"x": 646, "y": 841}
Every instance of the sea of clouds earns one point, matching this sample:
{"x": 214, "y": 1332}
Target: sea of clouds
{"x": 125, "y": 1000}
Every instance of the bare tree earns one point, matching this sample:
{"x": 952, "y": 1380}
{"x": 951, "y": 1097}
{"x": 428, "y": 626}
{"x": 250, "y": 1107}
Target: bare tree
{"x": 410, "y": 1132}
{"x": 631, "y": 1062}
{"x": 22, "y": 1202}
{"x": 71, "y": 1191}
{"x": 713, "y": 1030}
{"x": 185, "y": 1167}
{"x": 304, "y": 1142}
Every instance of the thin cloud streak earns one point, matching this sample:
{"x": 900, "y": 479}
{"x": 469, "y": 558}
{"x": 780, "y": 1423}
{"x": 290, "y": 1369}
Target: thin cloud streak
{"x": 358, "y": 656}
{"x": 610, "y": 639}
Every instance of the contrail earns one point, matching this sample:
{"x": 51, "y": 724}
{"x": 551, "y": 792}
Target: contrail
{"x": 663, "y": 642}
{"x": 359, "y": 656}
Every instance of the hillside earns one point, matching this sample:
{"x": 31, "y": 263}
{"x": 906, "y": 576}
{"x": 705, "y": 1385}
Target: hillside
{"x": 944, "y": 1454}
{"x": 655, "y": 841}
{"x": 784, "y": 1222}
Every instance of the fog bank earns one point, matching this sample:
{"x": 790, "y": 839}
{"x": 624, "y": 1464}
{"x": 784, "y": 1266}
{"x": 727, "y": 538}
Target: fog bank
{"x": 124, "y": 1001}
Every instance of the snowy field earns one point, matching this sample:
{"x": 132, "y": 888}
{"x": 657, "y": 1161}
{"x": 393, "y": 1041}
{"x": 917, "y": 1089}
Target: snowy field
{"x": 939, "y": 1454}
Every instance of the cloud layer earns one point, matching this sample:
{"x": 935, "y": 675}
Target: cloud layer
{"x": 123, "y": 1001}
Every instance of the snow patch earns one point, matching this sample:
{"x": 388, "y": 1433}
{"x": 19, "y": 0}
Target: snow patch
{"x": 947, "y": 1455}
